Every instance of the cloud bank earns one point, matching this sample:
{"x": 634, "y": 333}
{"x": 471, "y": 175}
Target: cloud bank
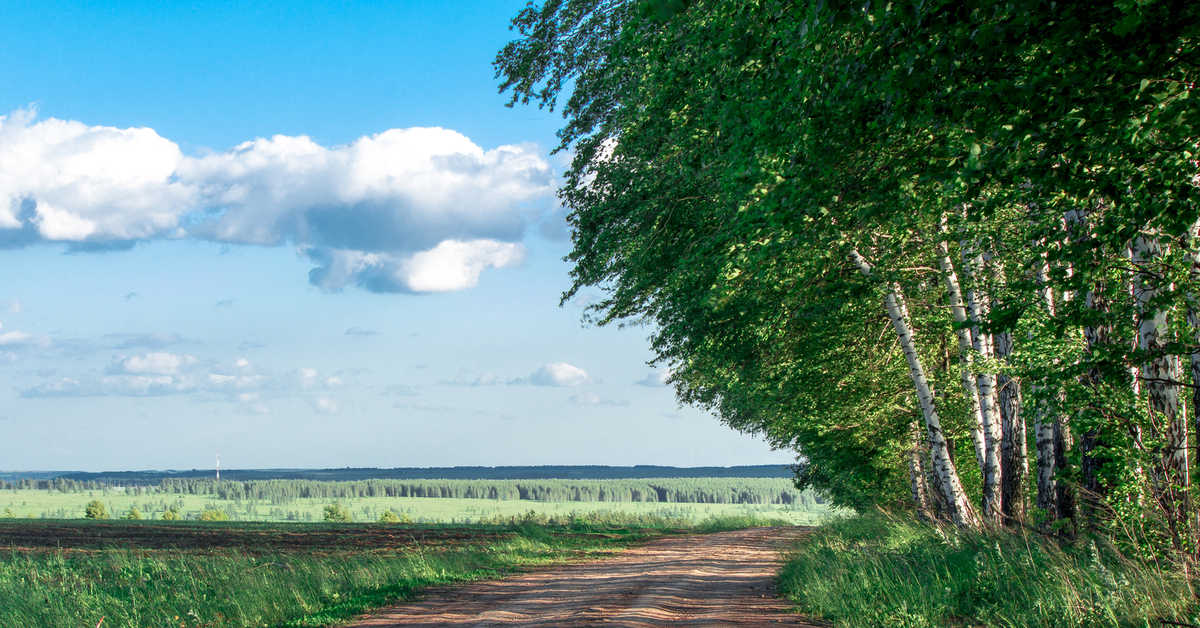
{"x": 405, "y": 210}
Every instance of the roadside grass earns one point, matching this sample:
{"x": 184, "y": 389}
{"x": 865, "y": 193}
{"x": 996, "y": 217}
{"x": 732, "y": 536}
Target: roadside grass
{"x": 300, "y": 586}
{"x": 877, "y": 570}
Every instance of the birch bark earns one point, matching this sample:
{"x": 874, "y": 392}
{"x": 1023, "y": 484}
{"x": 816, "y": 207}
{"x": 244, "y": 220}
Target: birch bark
{"x": 965, "y": 355}
{"x": 1160, "y": 376}
{"x": 986, "y": 381}
{"x": 947, "y": 480}
{"x": 1014, "y": 448}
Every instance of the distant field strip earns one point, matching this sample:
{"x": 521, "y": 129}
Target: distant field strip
{"x": 460, "y": 501}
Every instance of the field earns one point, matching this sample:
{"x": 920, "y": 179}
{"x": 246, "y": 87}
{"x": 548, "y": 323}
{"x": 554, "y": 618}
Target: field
{"x": 190, "y": 574}
{"x": 305, "y": 501}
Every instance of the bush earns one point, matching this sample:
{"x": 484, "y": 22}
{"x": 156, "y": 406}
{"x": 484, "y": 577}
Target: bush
{"x": 390, "y": 516}
{"x": 95, "y": 510}
{"x": 9, "y": 514}
{"x": 172, "y": 514}
{"x": 133, "y": 514}
{"x": 212, "y": 515}
{"x": 338, "y": 513}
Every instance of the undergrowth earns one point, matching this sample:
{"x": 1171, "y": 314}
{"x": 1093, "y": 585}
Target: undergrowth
{"x": 877, "y": 570}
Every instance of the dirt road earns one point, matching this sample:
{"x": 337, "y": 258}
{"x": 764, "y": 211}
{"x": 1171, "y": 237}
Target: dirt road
{"x": 720, "y": 579}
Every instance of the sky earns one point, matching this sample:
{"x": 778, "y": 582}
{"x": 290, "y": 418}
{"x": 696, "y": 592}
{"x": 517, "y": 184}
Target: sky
{"x": 299, "y": 235}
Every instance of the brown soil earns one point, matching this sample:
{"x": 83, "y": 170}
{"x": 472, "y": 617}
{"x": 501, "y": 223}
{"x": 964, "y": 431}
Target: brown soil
{"x": 249, "y": 538}
{"x": 724, "y": 579}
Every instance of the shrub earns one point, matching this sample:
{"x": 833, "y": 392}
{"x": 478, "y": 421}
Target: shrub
{"x": 171, "y": 514}
{"x": 95, "y": 510}
{"x": 133, "y": 514}
{"x": 338, "y": 513}
{"x": 390, "y": 516}
{"x": 213, "y": 515}
{"x": 9, "y": 514}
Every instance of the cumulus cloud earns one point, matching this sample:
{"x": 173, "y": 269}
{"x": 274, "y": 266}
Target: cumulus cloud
{"x": 559, "y": 374}
{"x": 405, "y": 210}
{"x": 157, "y": 363}
{"x": 20, "y": 338}
{"x": 324, "y": 406}
{"x": 656, "y": 379}
{"x": 592, "y": 399}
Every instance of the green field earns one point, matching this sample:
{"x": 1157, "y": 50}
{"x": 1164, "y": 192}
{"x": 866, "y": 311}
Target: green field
{"x": 53, "y": 504}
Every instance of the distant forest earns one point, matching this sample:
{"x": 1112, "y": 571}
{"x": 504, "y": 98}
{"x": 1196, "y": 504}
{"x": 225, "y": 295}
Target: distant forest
{"x": 284, "y": 492}
{"x": 547, "y": 472}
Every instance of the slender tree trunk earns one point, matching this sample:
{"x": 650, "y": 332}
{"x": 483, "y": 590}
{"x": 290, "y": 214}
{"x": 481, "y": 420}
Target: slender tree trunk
{"x": 1160, "y": 376}
{"x": 948, "y": 484}
{"x": 1014, "y": 448}
{"x": 917, "y": 476}
{"x": 1052, "y": 437}
{"x": 965, "y": 355}
{"x": 986, "y": 381}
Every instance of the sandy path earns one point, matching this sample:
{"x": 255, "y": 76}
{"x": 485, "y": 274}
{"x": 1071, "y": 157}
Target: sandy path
{"x": 720, "y": 579}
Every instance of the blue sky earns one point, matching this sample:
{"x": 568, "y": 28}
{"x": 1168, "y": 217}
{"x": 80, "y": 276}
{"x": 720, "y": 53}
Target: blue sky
{"x": 298, "y": 235}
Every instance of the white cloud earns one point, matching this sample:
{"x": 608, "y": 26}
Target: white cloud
{"x": 12, "y": 307}
{"x": 592, "y": 399}
{"x": 559, "y": 374}
{"x": 324, "y": 406}
{"x": 656, "y": 379}
{"x": 158, "y": 363}
{"x": 17, "y": 338}
{"x": 419, "y": 210}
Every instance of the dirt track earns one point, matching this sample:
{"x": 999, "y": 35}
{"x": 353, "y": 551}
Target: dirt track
{"x": 721, "y": 579}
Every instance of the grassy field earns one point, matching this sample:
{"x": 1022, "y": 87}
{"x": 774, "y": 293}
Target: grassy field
{"x": 869, "y": 571}
{"x": 51, "y": 504}
{"x": 162, "y": 574}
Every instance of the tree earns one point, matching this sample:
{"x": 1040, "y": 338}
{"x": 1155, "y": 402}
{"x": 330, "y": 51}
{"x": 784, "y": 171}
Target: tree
{"x": 337, "y": 513}
{"x": 390, "y": 516}
{"x": 212, "y": 514}
{"x": 133, "y": 514}
{"x": 171, "y": 514}
{"x": 733, "y": 162}
{"x": 96, "y": 509}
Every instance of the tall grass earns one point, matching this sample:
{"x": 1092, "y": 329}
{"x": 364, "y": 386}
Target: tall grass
{"x": 877, "y": 570}
{"x": 189, "y": 589}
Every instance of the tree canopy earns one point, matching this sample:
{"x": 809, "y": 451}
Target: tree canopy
{"x": 886, "y": 234}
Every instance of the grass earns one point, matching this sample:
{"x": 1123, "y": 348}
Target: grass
{"x": 876, "y": 570}
{"x": 70, "y": 574}
{"x": 57, "y": 505}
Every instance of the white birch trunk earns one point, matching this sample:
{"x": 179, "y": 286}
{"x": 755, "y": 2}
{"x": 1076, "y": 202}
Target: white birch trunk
{"x": 1043, "y": 426}
{"x": 965, "y": 356}
{"x": 1160, "y": 375}
{"x": 986, "y": 382}
{"x": 948, "y": 484}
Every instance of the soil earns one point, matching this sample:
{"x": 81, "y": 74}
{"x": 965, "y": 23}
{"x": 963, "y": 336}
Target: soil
{"x": 247, "y": 538}
{"x": 724, "y": 579}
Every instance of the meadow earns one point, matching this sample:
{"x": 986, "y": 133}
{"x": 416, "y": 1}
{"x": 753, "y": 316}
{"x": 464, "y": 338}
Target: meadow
{"x": 305, "y": 501}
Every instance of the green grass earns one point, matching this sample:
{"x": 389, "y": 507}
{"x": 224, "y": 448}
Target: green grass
{"x": 882, "y": 571}
{"x": 246, "y": 587}
{"x": 57, "y": 505}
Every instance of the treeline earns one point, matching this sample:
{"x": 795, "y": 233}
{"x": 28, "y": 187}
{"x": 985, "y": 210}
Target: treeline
{"x": 948, "y": 251}
{"x": 661, "y": 490}
{"x": 60, "y": 484}
{"x": 537, "y": 472}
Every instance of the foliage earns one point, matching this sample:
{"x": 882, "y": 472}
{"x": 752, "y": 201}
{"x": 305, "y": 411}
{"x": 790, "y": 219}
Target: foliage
{"x": 878, "y": 570}
{"x": 391, "y": 516}
{"x": 337, "y": 513}
{"x": 132, "y": 514}
{"x": 171, "y": 514}
{"x": 9, "y": 514}
{"x": 211, "y": 514}
{"x": 96, "y": 509}
{"x": 728, "y": 156}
